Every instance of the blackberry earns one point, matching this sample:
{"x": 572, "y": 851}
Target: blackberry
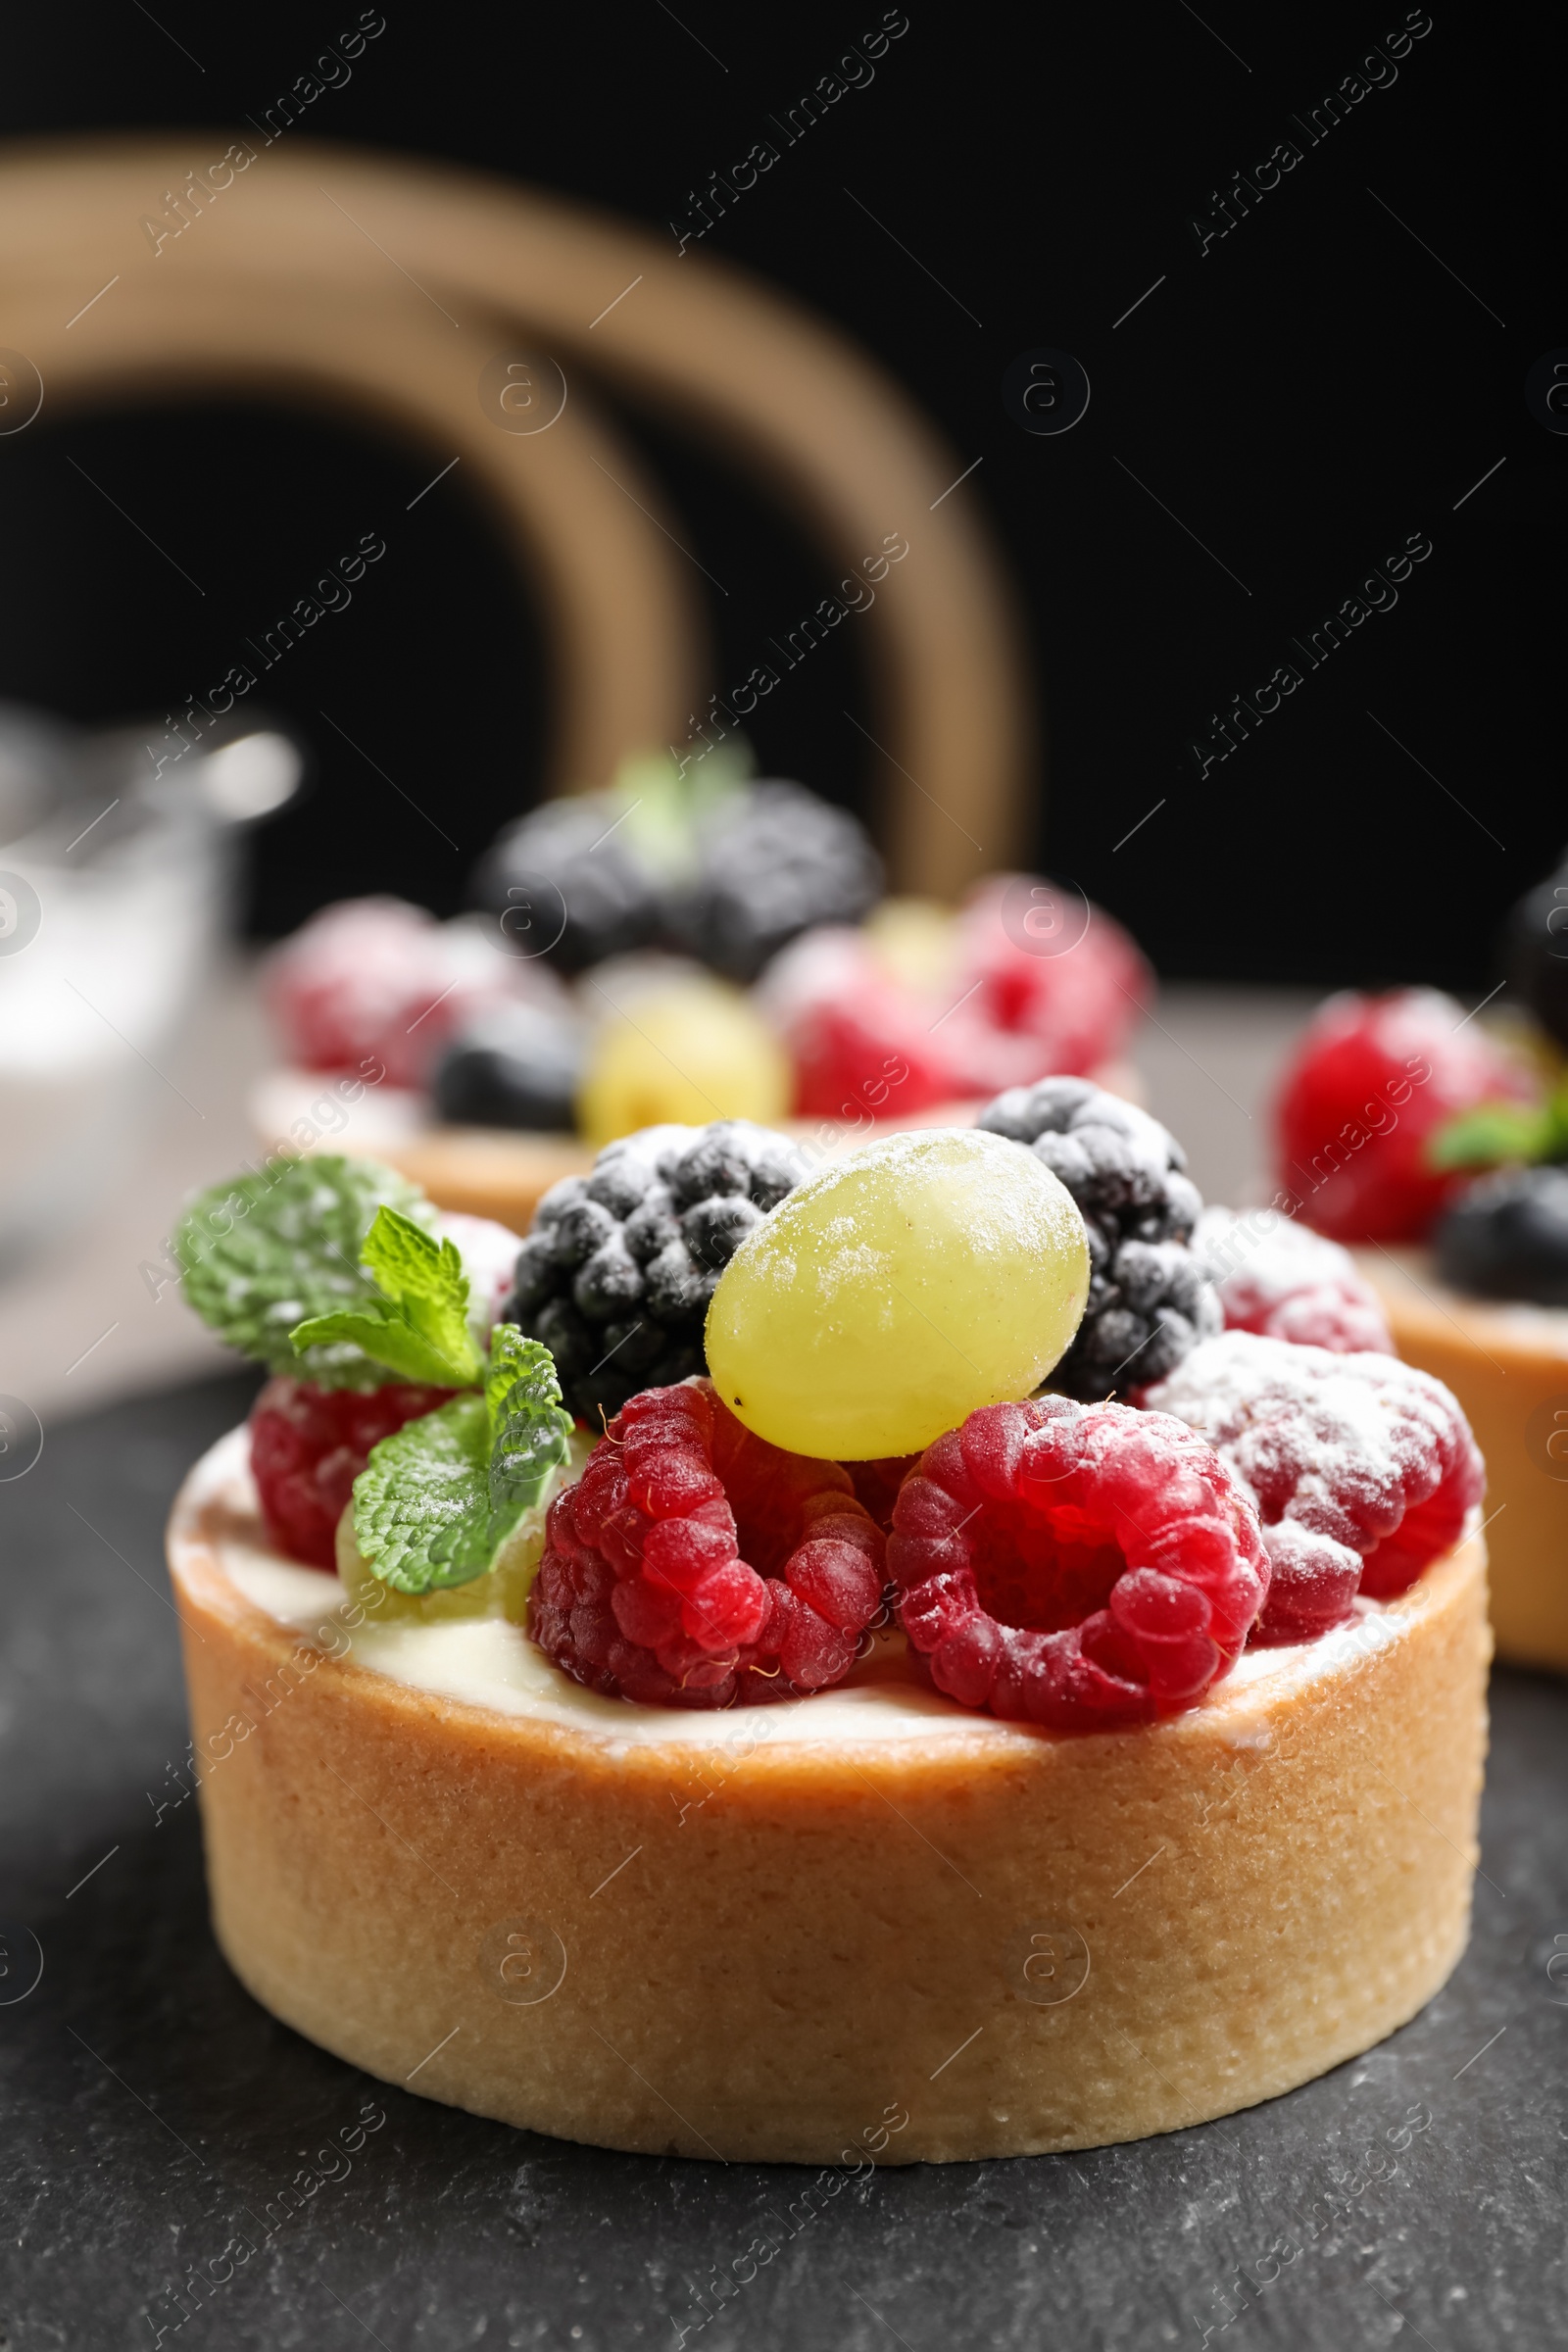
{"x": 1536, "y": 946}
{"x": 616, "y": 1275}
{"x": 1507, "y": 1237}
{"x": 614, "y": 899}
{"x": 1150, "y": 1298}
{"x": 513, "y": 1065}
{"x": 775, "y": 861}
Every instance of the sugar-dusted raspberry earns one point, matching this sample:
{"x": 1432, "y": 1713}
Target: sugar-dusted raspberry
{"x": 867, "y": 1034}
{"x": 1080, "y": 1566}
{"x": 1363, "y": 1469}
{"x": 1076, "y": 995}
{"x": 378, "y": 980}
{"x": 308, "y": 1447}
{"x": 864, "y": 1044}
{"x": 1370, "y": 1082}
{"x": 693, "y": 1565}
{"x": 1276, "y": 1277}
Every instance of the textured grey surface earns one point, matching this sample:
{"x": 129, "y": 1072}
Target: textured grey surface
{"x": 155, "y": 2116}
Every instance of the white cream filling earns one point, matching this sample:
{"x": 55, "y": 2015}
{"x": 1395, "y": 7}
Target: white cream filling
{"x": 488, "y": 1662}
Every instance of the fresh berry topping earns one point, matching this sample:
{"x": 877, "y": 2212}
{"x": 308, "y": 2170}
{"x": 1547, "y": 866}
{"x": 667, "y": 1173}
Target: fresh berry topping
{"x": 1150, "y": 1298}
{"x": 376, "y": 980}
{"x": 900, "y": 1289}
{"x": 693, "y": 1565}
{"x": 511, "y": 1066}
{"x": 1000, "y": 1009}
{"x": 776, "y": 859}
{"x": 1276, "y": 1277}
{"x": 726, "y": 870}
{"x": 308, "y": 1447}
{"x": 1371, "y": 1081}
{"x": 877, "y": 1484}
{"x": 610, "y": 900}
{"x": 1507, "y": 1237}
{"x": 616, "y": 1275}
{"x": 862, "y": 1041}
{"x": 1537, "y": 951}
{"x": 1362, "y": 1468}
{"x": 1074, "y": 994}
{"x": 1080, "y": 1566}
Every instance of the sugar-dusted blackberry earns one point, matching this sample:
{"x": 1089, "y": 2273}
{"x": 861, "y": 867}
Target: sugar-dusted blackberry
{"x": 1507, "y": 1237}
{"x": 1150, "y": 1298}
{"x": 616, "y": 1273}
{"x": 775, "y": 861}
{"x": 613, "y": 897}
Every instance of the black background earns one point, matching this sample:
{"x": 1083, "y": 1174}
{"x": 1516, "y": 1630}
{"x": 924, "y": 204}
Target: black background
{"x": 1305, "y": 396}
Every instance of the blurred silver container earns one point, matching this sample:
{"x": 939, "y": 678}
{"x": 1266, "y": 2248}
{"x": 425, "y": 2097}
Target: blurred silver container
{"x": 116, "y": 885}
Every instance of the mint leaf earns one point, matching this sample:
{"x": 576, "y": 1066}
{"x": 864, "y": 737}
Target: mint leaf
{"x": 281, "y": 1245}
{"x": 418, "y": 1326}
{"x": 422, "y": 1505}
{"x": 439, "y": 1498}
{"x": 1490, "y": 1133}
{"x": 528, "y": 1425}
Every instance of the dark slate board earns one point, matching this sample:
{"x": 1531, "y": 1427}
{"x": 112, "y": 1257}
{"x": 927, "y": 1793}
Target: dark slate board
{"x": 151, "y": 2112}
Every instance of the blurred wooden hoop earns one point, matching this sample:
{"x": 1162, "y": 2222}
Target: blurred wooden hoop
{"x": 502, "y": 265}
{"x": 625, "y": 634}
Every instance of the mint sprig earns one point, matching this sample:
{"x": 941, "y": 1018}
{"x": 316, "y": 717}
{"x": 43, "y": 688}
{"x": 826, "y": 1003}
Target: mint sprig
{"x": 1494, "y": 1133}
{"x": 440, "y": 1497}
{"x": 416, "y": 1321}
{"x": 280, "y": 1246}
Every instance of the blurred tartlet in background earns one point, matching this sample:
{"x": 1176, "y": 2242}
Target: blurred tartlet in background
{"x": 680, "y": 949}
{"x": 1436, "y": 1142}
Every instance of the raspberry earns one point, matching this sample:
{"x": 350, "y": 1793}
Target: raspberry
{"x": 1371, "y": 1080}
{"x": 308, "y": 1447}
{"x": 1150, "y": 1298}
{"x": 862, "y": 1041}
{"x": 377, "y": 980}
{"x": 996, "y": 1016}
{"x": 1080, "y": 1566}
{"x": 1363, "y": 1469}
{"x": 1077, "y": 1007}
{"x": 694, "y": 1565}
{"x": 877, "y": 1484}
{"x": 1276, "y": 1277}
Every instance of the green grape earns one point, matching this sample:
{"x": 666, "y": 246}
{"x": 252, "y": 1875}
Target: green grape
{"x": 504, "y": 1592}
{"x": 886, "y": 1298}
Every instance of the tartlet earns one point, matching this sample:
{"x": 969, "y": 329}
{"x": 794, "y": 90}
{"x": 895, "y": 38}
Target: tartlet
{"x": 753, "y": 1935}
{"x": 1060, "y": 1768}
{"x": 1507, "y": 1363}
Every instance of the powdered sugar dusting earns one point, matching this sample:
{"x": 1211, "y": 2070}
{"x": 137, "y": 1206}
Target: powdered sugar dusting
{"x": 1343, "y": 1454}
{"x": 1276, "y": 1277}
